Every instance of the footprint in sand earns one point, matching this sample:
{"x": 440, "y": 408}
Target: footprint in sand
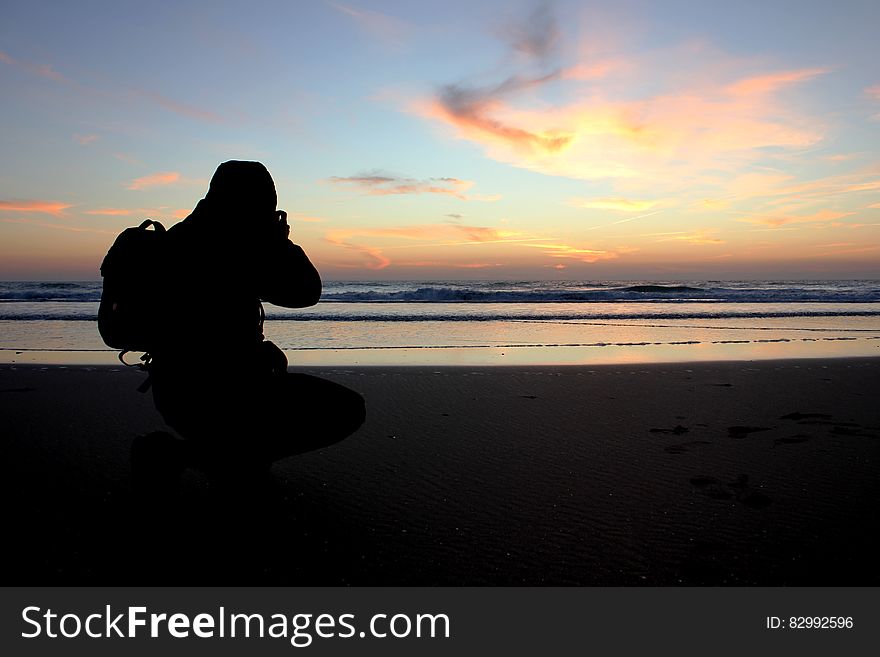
{"x": 711, "y": 487}
{"x": 837, "y": 428}
{"x": 806, "y": 416}
{"x": 792, "y": 440}
{"x": 743, "y": 431}
{"x": 676, "y": 430}
{"x": 850, "y": 429}
{"x": 681, "y": 448}
{"x": 755, "y": 500}
{"x": 738, "y": 490}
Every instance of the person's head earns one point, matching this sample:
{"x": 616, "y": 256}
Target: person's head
{"x": 242, "y": 187}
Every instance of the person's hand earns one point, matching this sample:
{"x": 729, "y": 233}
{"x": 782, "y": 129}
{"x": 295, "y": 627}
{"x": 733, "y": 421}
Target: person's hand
{"x": 283, "y": 226}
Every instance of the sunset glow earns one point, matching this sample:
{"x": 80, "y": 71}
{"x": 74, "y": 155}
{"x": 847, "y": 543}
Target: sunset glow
{"x": 578, "y": 140}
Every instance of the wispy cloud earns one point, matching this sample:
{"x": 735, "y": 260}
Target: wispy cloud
{"x": 430, "y": 234}
{"x": 184, "y": 109}
{"x": 154, "y": 180}
{"x": 581, "y": 254}
{"x": 85, "y": 140}
{"x": 55, "y": 208}
{"x": 374, "y": 258}
{"x": 110, "y": 212}
{"x": 782, "y": 188}
{"x": 537, "y": 36}
{"x": 128, "y": 159}
{"x": 299, "y": 216}
{"x": 386, "y": 29}
{"x": 677, "y": 134}
{"x": 700, "y": 237}
{"x": 784, "y": 219}
{"x": 160, "y": 212}
{"x": 418, "y": 236}
{"x": 581, "y": 121}
{"x": 617, "y": 203}
{"x": 849, "y": 251}
{"x": 63, "y": 227}
{"x": 477, "y": 265}
{"x": 478, "y": 114}
{"x": 41, "y": 70}
{"x": 382, "y": 184}
{"x": 770, "y": 82}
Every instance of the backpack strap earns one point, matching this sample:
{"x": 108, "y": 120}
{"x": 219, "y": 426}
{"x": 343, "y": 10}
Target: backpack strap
{"x": 144, "y": 365}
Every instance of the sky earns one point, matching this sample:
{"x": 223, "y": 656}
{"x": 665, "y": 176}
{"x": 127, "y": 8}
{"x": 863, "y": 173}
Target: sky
{"x": 661, "y": 140}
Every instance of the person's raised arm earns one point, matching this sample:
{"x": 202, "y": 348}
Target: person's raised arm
{"x": 287, "y": 276}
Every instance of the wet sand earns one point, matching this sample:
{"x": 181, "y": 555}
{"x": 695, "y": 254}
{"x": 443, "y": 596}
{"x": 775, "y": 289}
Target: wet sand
{"x": 725, "y": 473}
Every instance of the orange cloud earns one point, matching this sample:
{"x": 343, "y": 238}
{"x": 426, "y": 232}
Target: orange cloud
{"x": 700, "y": 237}
{"x": 670, "y": 137}
{"x": 581, "y": 254}
{"x": 703, "y": 126}
{"x": 783, "y": 189}
{"x": 873, "y": 92}
{"x": 85, "y": 140}
{"x": 839, "y": 252}
{"x": 863, "y": 187}
{"x": 426, "y": 236}
{"x": 297, "y": 216}
{"x": 447, "y": 234}
{"x": 375, "y": 258}
{"x": 478, "y": 115}
{"x": 190, "y": 111}
{"x": 770, "y": 82}
{"x": 42, "y": 70}
{"x": 781, "y": 220}
{"x": 42, "y": 207}
{"x": 110, "y": 212}
{"x": 590, "y": 71}
{"x": 380, "y": 184}
{"x": 64, "y": 227}
{"x": 622, "y": 204}
{"x": 154, "y": 180}
{"x": 128, "y": 159}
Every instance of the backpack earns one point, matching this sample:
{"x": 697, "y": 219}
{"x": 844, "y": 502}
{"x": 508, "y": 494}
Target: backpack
{"x": 130, "y": 316}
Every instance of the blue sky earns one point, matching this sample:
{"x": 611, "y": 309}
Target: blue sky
{"x": 457, "y": 139}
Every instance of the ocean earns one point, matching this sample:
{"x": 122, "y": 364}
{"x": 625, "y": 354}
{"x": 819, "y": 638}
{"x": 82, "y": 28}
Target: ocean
{"x": 499, "y": 322}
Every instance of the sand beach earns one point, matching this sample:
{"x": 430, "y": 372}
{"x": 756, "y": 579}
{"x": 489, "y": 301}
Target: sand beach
{"x": 714, "y": 473}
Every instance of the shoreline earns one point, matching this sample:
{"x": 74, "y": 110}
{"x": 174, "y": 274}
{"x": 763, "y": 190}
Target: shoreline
{"x": 711, "y": 473}
{"x": 512, "y": 354}
{"x": 4, "y": 366}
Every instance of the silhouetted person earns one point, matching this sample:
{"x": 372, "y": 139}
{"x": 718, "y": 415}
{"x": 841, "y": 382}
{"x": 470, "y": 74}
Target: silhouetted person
{"x": 215, "y": 380}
